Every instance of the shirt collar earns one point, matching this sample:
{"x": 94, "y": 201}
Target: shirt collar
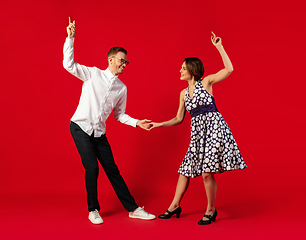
{"x": 109, "y": 74}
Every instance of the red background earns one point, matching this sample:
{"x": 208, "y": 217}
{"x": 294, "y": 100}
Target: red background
{"x": 42, "y": 184}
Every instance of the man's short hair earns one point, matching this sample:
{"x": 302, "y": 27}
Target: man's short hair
{"x": 114, "y": 50}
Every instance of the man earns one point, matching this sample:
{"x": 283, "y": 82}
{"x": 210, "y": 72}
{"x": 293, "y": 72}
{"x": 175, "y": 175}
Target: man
{"x": 102, "y": 92}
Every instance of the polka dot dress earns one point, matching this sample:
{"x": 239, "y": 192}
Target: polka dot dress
{"x": 212, "y": 145}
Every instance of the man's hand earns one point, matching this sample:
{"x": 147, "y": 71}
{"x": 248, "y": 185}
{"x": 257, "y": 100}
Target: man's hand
{"x": 144, "y": 124}
{"x": 71, "y": 29}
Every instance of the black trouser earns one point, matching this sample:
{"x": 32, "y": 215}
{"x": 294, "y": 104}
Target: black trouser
{"x": 91, "y": 149}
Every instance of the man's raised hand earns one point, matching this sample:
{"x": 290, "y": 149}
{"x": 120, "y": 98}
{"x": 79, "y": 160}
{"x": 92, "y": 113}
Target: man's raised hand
{"x": 71, "y": 29}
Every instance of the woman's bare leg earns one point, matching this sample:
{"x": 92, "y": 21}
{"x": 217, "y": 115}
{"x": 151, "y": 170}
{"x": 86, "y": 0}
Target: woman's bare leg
{"x": 210, "y": 185}
{"x": 181, "y": 188}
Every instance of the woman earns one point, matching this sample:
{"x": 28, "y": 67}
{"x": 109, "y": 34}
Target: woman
{"x": 212, "y": 148}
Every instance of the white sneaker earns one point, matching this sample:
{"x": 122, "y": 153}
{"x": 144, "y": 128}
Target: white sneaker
{"x": 95, "y": 217}
{"x": 142, "y": 214}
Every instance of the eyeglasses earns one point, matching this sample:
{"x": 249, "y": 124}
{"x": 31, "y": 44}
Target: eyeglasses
{"x": 122, "y": 61}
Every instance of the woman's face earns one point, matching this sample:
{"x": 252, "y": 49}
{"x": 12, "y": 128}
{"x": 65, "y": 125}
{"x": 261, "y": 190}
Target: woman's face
{"x": 185, "y": 75}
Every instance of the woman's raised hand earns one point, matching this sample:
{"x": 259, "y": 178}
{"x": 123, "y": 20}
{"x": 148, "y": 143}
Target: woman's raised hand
{"x": 71, "y": 29}
{"x": 216, "y": 41}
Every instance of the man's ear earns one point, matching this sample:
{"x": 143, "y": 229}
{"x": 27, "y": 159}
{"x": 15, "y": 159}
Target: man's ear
{"x": 110, "y": 60}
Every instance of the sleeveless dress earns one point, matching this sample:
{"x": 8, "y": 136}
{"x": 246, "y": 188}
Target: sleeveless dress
{"x": 212, "y": 145}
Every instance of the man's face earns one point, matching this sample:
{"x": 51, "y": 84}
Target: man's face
{"x": 117, "y": 63}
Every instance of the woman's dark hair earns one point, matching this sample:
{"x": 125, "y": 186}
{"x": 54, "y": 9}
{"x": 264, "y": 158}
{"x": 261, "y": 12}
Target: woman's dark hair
{"x": 195, "y": 67}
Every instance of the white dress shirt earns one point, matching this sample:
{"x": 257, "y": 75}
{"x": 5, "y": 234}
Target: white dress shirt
{"x": 101, "y": 93}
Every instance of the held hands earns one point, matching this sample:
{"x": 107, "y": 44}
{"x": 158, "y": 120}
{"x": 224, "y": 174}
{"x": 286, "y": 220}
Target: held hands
{"x": 144, "y": 124}
{"x": 148, "y": 124}
{"x": 71, "y": 29}
{"x": 154, "y": 125}
{"x": 216, "y": 41}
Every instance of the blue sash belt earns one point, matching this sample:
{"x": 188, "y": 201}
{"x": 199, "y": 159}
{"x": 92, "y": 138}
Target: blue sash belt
{"x": 200, "y": 109}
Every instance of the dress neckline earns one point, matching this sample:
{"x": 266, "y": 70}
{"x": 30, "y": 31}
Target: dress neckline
{"x": 192, "y": 92}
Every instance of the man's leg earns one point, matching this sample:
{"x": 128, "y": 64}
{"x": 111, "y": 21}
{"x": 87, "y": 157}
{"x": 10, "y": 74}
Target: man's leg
{"x": 105, "y": 156}
{"x": 86, "y": 150}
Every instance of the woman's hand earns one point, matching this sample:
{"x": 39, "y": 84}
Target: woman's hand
{"x": 154, "y": 125}
{"x": 216, "y": 41}
{"x": 71, "y": 29}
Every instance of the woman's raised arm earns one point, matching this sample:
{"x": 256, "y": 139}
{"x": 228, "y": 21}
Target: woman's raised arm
{"x": 228, "y": 66}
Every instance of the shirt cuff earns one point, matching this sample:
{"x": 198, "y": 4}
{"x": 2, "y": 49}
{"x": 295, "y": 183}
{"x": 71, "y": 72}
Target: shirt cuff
{"x": 134, "y": 122}
{"x": 70, "y": 40}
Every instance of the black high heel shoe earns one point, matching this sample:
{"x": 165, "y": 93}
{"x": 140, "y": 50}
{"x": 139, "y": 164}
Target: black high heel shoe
{"x": 169, "y": 214}
{"x": 210, "y": 219}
